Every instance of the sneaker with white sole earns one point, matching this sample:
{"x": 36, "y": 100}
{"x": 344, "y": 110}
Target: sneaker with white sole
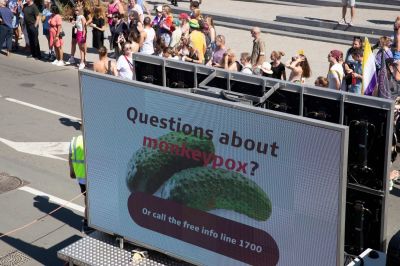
{"x": 82, "y": 66}
{"x": 342, "y": 21}
{"x": 55, "y": 62}
{"x": 70, "y": 61}
{"x": 61, "y": 63}
{"x": 351, "y": 23}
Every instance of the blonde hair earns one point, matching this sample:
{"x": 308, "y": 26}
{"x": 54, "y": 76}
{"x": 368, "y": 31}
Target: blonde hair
{"x": 197, "y": 14}
{"x": 321, "y": 82}
{"x": 167, "y": 9}
{"x": 277, "y": 54}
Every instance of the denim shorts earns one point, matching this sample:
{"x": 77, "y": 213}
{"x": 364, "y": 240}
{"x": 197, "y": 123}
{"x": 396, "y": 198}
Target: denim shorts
{"x": 349, "y": 3}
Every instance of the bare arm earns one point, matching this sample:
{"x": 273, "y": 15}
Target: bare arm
{"x": 114, "y": 69}
{"x": 143, "y": 36}
{"x": 121, "y": 8}
{"x": 84, "y": 26}
{"x": 146, "y": 8}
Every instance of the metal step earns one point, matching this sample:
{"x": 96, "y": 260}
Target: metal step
{"x": 286, "y": 29}
{"x": 285, "y": 33}
{"x": 333, "y": 25}
{"x": 366, "y": 4}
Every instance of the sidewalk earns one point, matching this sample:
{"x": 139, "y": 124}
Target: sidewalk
{"x": 241, "y": 41}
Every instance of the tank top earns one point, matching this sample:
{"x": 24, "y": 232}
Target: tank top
{"x": 112, "y": 9}
{"x": 148, "y": 47}
{"x": 78, "y": 23}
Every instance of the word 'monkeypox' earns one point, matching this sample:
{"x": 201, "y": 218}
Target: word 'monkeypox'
{"x": 196, "y": 155}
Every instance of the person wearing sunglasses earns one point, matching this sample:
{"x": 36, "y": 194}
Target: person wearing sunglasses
{"x": 125, "y": 67}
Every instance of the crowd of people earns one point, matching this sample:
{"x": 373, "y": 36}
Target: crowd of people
{"x": 189, "y": 37}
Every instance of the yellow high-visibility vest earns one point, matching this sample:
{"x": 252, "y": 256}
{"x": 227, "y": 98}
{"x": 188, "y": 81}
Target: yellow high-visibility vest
{"x": 78, "y": 157}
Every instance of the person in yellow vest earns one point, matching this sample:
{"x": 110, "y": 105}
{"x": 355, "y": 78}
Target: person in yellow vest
{"x": 78, "y": 170}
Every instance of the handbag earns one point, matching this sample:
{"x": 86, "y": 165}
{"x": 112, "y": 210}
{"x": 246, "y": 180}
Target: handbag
{"x": 61, "y": 34}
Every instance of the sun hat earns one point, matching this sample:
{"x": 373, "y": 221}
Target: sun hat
{"x": 193, "y": 23}
{"x": 266, "y": 68}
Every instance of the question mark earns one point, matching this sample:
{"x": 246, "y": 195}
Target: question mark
{"x": 255, "y": 167}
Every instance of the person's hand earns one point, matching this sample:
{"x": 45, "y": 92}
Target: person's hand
{"x": 301, "y": 58}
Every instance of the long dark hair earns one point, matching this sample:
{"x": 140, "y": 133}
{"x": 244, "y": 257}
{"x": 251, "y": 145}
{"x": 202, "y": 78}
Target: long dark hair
{"x": 54, "y": 9}
{"x": 305, "y": 66}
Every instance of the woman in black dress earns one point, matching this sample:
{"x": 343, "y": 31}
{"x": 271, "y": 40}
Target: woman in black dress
{"x": 278, "y": 68}
{"x": 98, "y": 25}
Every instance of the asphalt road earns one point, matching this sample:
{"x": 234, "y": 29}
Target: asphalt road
{"x": 56, "y": 89}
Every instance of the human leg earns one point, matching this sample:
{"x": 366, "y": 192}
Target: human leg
{"x": 31, "y": 34}
{"x": 342, "y": 21}
{"x": 9, "y": 34}
{"x": 71, "y": 59}
{"x": 353, "y": 13}
{"x": 3, "y": 34}
{"x": 17, "y": 34}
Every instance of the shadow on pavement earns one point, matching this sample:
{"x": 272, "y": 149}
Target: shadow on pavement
{"x": 284, "y": 3}
{"x": 395, "y": 192}
{"x": 381, "y": 22}
{"x": 42, "y": 255}
{"x": 69, "y": 123}
{"x": 63, "y": 215}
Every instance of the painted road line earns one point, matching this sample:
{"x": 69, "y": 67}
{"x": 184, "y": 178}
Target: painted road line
{"x": 44, "y": 149}
{"x": 42, "y": 108}
{"x": 54, "y": 199}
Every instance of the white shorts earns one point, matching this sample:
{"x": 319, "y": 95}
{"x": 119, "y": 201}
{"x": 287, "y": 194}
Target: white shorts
{"x": 349, "y": 3}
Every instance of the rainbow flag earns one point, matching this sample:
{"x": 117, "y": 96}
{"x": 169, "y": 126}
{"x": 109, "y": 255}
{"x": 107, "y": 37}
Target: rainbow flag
{"x": 370, "y": 80}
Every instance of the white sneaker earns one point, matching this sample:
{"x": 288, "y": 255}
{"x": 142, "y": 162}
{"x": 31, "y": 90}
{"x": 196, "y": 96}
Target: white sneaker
{"x": 61, "y": 63}
{"x": 70, "y": 61}
{"x": 342, "y": 21}
{"x": 55, "y": 62}
{"x": 81, "y": 66}
{"x": 351, "y": 23}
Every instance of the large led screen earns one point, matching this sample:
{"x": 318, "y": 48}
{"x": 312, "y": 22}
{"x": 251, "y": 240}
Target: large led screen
{"x": 212, "y": 182}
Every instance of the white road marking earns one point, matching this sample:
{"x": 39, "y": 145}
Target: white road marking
{"x": 45, "y": 149}
{"x": 54, "y": 199}
{"x": 42, "y": 109}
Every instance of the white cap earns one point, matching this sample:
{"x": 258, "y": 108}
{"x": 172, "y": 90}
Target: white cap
{"x": 159, "y": 8}
{"x": 266, "y": 68}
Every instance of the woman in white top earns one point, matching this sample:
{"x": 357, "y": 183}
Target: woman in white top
{"x": 335, "y": 74}
{"x": 125, "y": 66}
{"x": 147, "y": 37}
{"x": 134, "y": 6}
{"x": 80, "y": 25}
